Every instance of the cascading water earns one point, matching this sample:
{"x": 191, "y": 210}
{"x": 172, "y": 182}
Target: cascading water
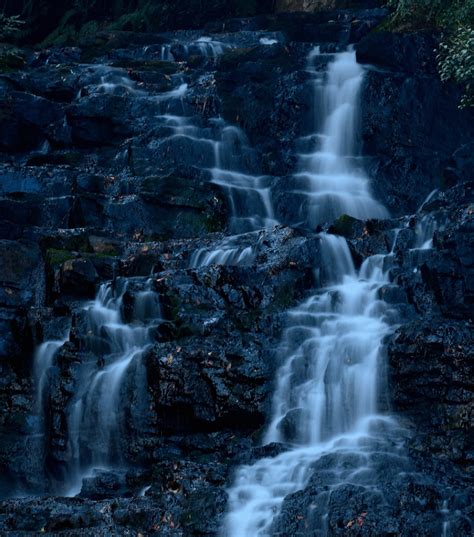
{"x": 43, "y": 361}
{"x": 228, "y": 252}
{"x": 112, "y": 348}
{"x": 94, "y": 416}
{"x": 331, "y": 179}
{"x": 325, "y": 401}
{"x": 113, "y": 345}
{"x": 249, "y": 194}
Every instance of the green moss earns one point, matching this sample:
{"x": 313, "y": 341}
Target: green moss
{"x": 110, "y": 255}
{"x": 58, "y": 257}
{"x": 167, "y": 68}
{"x": 11, "y": 58}
{"x": 344, "y": 225}
{"x": 144, "y": 19}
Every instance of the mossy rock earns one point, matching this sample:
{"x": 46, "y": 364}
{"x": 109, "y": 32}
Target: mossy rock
{"x": 57, "y": 257}
{"x": 166, "y": 68}
{"x": 347, "y": 226}
{"x": 233, "y": 57}
{"x": 103, "y": 247}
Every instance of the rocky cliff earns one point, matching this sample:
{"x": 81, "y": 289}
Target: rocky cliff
{"x": 95, "y": 186}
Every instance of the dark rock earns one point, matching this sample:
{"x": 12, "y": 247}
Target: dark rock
{"x": 409, "y": 53}
{"x": 431, "y": 384}
{"x": 22, "y": 281}
{"x": 29, "y": 121}
{"x": 100, "y": 181}
{"x": 78, "y": 277}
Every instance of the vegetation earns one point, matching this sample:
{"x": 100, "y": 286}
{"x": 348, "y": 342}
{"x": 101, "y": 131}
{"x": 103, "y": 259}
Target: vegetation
{"x": 57, "y": 257}
{"x": 59, "y": 20}
{"x": 455, "y": 19}
{"x": 456, "y": 61}
{"x": 10, "y": 26}
{"x": 442, "y": 14}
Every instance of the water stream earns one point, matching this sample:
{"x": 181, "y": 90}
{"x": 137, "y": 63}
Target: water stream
{"x": 325, "y": 401}
{"x": 113, "y": 345}
{"x": 95, "y": 417}
{"x": 331, "y": 177}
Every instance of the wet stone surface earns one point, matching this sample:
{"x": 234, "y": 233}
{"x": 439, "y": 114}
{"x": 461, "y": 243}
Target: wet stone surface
{"x": 117, "y": 164}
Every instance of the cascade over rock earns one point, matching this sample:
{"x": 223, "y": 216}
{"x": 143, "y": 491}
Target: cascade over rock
{"x": 236, "y": 281}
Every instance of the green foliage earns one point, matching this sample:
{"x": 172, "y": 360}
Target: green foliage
{"x": 10, "y": 27}
{"x": 456, "y": 61}
{"x": 58, "y": 257}
{"x": 442, "y": 14}
{"x": 68, "y": 32}
{"x": 455, "y": 19}
{"x": 11, "y": 58}
{"x": 143, "y": 19}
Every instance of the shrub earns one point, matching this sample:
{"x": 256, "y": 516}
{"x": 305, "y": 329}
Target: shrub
{"x": 9, "y": 27}
{"x": 455, "y": 20}
{"x": 456, "y": 61}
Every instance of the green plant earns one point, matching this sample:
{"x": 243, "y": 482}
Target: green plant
{"x": 10, "y": 27}
{"x": 443, "y": 14}
{"x": 456, "y": 61}
{"x": 11, "y": 58}
{"x": 455, "y": 19}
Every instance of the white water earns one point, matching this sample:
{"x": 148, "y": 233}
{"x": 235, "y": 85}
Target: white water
{"x": 43, "y": 361}
{"x": 207, "y": 47}
{"x": 94, "y": 416}
{"x": 325, "y": 400}
{"x": 96, "y": 410}
{"x": 249, "y": 194}
{"x": 331, "y": 177}
{"x": 229, "y": 251}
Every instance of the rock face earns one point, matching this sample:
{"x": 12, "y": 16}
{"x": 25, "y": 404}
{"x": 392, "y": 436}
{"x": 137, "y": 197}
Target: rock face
{"x": 103, "y": 180}
{"x": 412, "y": 147}
{"x": 432, "y": 376}
{"x": 317, "y": 5}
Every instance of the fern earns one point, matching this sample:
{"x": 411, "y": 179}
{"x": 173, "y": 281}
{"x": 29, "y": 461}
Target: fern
{"x": 10, "y": 26}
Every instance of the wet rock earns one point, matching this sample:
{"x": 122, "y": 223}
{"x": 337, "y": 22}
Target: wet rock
{"x": 78, "y": 277}
{"x": 402, "y": 52}
{"x": 97, "y": 186}
{"x": 30, "y": 121}
{"x": 21, "y": 275}
{"x": 431, "y": 385}
{"x": 395, "y": 145}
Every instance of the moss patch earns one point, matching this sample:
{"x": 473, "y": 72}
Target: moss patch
{"x": 11, "y": 58}
{"x": 166, "y": 68}
{"x": 344, "y": 225}
{"x": 58, "y": 257}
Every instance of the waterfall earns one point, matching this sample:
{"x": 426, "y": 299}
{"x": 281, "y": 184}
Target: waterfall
{"x": 325, "y": 400}
{"x": 112, "y": 345}
{"x": 95, "y": 421}
{"x": 43, "y": 360}
{"x": 331, "y": 179}
{"x": 249, "y": 193}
